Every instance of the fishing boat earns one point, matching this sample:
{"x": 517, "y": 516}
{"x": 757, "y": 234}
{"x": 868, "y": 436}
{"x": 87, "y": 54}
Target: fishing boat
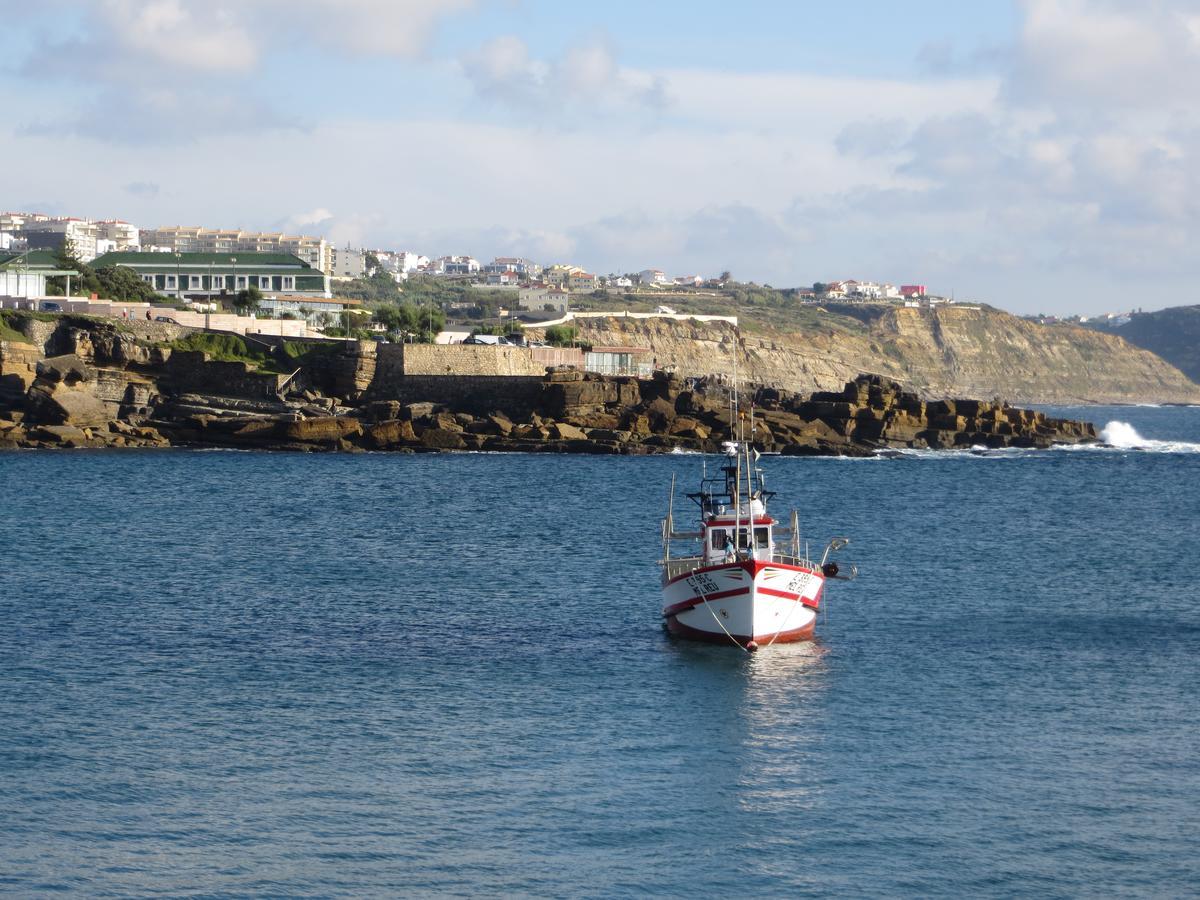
{"x": 751, "y": 583}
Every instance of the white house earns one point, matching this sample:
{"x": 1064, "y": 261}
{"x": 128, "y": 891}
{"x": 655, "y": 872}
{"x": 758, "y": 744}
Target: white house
{"x": 652, "y": 276}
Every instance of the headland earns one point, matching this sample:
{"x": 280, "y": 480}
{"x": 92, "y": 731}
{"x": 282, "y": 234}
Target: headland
{"x": 72, "y": 381}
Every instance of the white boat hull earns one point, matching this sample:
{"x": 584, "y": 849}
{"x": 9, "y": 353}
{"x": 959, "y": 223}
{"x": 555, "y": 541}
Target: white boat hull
{"x": 751, "y": 602}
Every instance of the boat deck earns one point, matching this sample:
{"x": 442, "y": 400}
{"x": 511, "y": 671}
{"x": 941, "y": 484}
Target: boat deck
{"x": 682, "y": 565}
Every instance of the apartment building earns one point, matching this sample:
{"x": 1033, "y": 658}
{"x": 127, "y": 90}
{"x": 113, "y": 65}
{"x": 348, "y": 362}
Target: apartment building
{"x": 315, "y": 251}
{"x": 51, "y": 233}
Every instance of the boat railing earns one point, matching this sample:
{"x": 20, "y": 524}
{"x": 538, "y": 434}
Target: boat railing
{"x": 681, "y": 565}
{"x": 788, "y": 559}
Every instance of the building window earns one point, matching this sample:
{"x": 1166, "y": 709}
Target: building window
{"x": 171, "y": 283}
{"x": 241, "y": 282}
{"x": 149, "y": 279}
{"x": 194, "y": 282}
{"x": 264, "y": 281}
{"x": 289, "y": 282}
{"x": 218, "y": 283}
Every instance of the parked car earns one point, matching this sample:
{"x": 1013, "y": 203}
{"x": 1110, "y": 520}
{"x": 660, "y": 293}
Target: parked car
{"x": 51, "y": 306}
{"x": 165, "y": 319}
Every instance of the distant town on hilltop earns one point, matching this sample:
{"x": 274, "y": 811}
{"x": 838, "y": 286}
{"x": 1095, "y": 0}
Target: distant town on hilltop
{"x": 304, "y": 278}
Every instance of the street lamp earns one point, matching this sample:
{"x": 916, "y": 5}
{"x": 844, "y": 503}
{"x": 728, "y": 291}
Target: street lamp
{"x": 178, "y": 283}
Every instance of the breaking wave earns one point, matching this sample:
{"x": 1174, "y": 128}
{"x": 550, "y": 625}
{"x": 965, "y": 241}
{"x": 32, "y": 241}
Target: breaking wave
{"x": 1123, "y": 436}
{"x": 1115, "y": 437}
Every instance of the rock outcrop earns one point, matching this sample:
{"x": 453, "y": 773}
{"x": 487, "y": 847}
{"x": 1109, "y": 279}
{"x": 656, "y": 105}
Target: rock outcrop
{"x": 109, "y": 389}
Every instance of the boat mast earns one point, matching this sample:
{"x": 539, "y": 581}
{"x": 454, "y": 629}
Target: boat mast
{"x": 670, "y": 521}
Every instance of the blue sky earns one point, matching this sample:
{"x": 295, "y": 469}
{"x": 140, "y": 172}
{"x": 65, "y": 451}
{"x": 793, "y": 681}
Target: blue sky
{"x": 1041, "y": 155}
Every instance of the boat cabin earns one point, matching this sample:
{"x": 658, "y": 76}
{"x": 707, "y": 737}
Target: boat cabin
{"x": 727, "y": 539}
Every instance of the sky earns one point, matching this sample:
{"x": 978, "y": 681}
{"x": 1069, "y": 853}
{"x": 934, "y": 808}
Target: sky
{"x": 1039, "y": 155}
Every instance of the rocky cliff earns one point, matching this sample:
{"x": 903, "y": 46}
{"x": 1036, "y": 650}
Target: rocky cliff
{"x": 90, "y": 383}
{"x": 944, "y": 352}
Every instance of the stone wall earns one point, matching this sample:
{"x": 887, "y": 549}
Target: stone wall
{"x": 479, "y": 359}
{"x": 389, "y": 371}
{"x": 191, "y": 371}
{"x": 517, "y": 395}
{"x": 18, "y": 369}
{"x": 155, "y": 332}
{"x": 343, "y": 371}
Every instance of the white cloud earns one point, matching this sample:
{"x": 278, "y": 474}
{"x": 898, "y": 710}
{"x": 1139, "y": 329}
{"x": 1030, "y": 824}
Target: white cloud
{"x": 584, "y": 75}
{"x": 380, "y": 27}
{"x": 181, "y": 34}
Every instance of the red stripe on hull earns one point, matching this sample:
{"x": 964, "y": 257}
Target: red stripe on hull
{"x": 677, "y": 628}
{"x": 753, "y": 567}
{"x": 791, "y": 595}
{"x": 696, "y": 600}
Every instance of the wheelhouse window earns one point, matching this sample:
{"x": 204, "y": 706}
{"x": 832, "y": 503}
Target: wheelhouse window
{"x": 718, "y": 537}
{"x": 761, "y": 537}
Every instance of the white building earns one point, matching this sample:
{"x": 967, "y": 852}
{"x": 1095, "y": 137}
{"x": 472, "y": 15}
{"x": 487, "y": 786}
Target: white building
{"x": 121, "y": 235}
{"x": 347, "y": 263}
{"x": 48, "y": 233}
{"x": 315, "y": 251}
{"x": 537, "y": 297}
{"x": 652, "y": 276}
{"x": 410, "y": 262}
{"x": 454, "y": 265}
{"x": 560, "y": 273}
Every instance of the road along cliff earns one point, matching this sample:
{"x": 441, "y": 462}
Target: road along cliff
{"x": 948, "y": 351}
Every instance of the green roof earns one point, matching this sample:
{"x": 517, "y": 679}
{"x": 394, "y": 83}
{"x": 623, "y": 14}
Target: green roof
{"x": 34, "y": 259}
{"x": 249, "y": 259}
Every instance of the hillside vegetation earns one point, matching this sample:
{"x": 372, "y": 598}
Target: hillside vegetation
{"x": 1173, "y": 334}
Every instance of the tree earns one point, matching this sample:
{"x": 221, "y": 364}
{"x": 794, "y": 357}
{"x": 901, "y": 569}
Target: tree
{"x": 725, "y": 277}
{"x": 122, "y": 284}
{"x": 561, "y": 335}
{"x": 83, "y": 283}
{"x": 371, "y": 263}
{"x": 421, "y": 324}
{"x": 819, "y": 288}
{"x": 247, "y": 301}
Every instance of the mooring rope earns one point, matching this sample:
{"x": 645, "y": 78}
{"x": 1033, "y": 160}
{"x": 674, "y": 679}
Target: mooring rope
{"x": 721, "y": 624}
{"x": 798, "y": 602}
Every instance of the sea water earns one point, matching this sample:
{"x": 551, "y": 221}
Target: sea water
{"x": 231, "y": 673}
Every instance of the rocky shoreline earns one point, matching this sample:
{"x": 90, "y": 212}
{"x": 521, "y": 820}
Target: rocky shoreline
{"x": 115, "y": 390}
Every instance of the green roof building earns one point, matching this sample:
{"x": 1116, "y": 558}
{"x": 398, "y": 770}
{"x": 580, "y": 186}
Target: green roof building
{"x": 204, "y": 275}
{"x": 23, "y": 275}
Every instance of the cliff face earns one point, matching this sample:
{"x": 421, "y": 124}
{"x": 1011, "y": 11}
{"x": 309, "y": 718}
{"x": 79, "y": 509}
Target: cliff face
{"x": 943, "y": 352}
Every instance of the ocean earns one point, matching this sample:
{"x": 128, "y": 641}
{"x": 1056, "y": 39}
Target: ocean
{"x": 248, "y": 674}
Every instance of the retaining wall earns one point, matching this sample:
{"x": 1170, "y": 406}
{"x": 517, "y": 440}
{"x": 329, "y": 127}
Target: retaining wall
{"x": 517, "y": 395}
